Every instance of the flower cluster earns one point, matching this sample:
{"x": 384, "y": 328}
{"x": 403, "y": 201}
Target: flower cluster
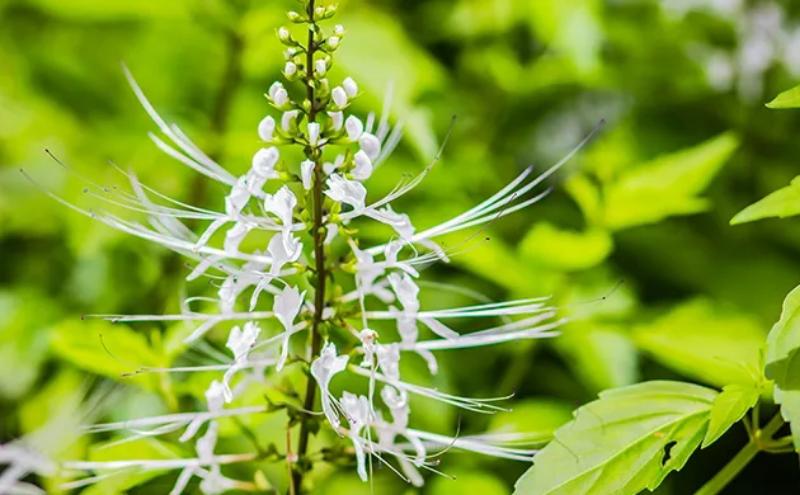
{"x": 313, "y": 277}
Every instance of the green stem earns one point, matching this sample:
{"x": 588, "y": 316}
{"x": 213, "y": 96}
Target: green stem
{"x": 742, "y": 459}
{"x": 319, "y": 259}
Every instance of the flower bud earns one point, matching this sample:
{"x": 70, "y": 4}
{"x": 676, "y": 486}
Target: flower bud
{"x": 333, "y": 42}
{"x": 319, "y": 12}
{"x": 354, "y": 127}
{"x": 337, "y": 118}
{"x": 288, "y": 120}
{"x": 313, "y": 133}
{"x": 350, "y": 87}
{"x": 306, "y": 171}
{"x": 320, "y": 67}
{"x": 294, "y": 16}
{"x": 363, "y": 166}
{"x": 339, "y": 96}
{"x": 266, "y": 128}
{"x": 290, "y": 69}
{"x": 277, "y": 93}
{"x": 338, "y": 30}
{"x": 284, "y": 35}
{"x": 370, "y": 144}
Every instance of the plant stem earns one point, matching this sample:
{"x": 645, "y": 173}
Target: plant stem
{"x": 742, "y": 459}
{"x": 319, "y": 258}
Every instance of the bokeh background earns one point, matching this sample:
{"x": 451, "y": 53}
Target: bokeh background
{"x": 634, "y": 242}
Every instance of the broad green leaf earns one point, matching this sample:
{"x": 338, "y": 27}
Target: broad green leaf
{"x": 788, "y": 99}
{"x": 537, "y": 418}
{"x": 628, "y": 440}
{"x": 571, "y": 28}
{"x": 111, "y": 350}
{"x": 783, "y": 361}
{"x": 560, "y": 249}
{"x": 729, "y": 407}
{"x": 468, "y": 481}
{"x": 666, "y": 186}
{"x": 785, "y": 202}
{"x": 704, "y": 342}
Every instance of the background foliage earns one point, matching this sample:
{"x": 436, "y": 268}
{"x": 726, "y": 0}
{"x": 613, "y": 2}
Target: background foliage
{"x": 634, "y": 242}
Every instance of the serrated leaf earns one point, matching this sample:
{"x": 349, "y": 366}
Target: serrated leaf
{"x": 552, "y": 247}
{"x": 666, "y": 186}
{"x": 729, "y": 407}
{"x": 626, "y": 441}
{"x": 783, "y": 363}
{"x": 785, "y": 202}
{"x": 704, "y": 342}
{"x": 788, "y": 99}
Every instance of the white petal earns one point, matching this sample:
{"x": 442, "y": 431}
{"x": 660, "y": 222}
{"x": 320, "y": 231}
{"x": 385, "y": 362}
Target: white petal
{"x": 313, "y": 133}
{"x": 350, "y": 87}
{"x": 363, "y": 166}
{"x": 339, "y": 96}
{"x": 370, "y": 144}
{"x": 306, "y": 173}
{"x": 354, "y": 127}
{"x": 266, "y": 128}
{"x": 337, "y": 119}
{"x": 346, "y": 191}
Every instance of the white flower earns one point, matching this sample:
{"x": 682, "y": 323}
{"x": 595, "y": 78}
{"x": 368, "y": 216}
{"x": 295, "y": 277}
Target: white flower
{"x": 337, "y": 120}
{"x": 359, "y": 414}
{"x": 239, "y": 342}
{"x": 320, "y": 67}
{"x": 281, "y": 204}
{"x": 338, "y": 30}
{"x": 278, "y": 94}
{"x": 290, "y": 69}
{"x": 313, "y": 133}
{"x": 235, "y": 235}
{"x": 323, "y": 369}
{"x": 288, "y": 120}
{"x": 264, "y": 161}
{"x": 333, "y": 42}
{"x": 286, "y": 308}
{"x": 363, "y": 166}
{"x": 306, "y": 173}
{"x": 350, "y": 87}
{"x": 339, "y": 96}
{"x": 370, "y": 145}
{"x": 368, "y": 338}
{"x": 266, "y": 128}
{"x": 346, "y": 191}
{"x": 237, "y": 198}
{"x": 354, "y": 127}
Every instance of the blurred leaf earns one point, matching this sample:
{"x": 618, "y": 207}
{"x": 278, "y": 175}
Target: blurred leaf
{"x": 788, "y": 99}
{"x": 111, "y": 350}
{"x": 783, "y": 361}
{"x": 142, "y": 449}
{"x": 601, "y": 355}
{"x": 729, "y": 407}
{"x": 537, "y": 418}
{"x": 667, "y": 185}
{"x": 468, "y": 481}
{"x": 626, "y": 441}
{"x": 24, "y": 317}
{"x": 785, "y": 202}
{"x": 571, "y": 28}
{"x": 114, "y": 11}
{"x": 703, "y": 342}
{"x": 551, "y": 247}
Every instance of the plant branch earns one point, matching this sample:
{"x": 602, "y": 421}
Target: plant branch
{"x": 319, "y": 258}
{"x": 757, "y": 442}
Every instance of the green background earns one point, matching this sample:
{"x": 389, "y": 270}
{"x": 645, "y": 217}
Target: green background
{"x": 633, "y": 242}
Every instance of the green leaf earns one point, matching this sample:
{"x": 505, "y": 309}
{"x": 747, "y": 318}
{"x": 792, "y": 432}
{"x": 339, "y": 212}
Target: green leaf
{"x": 111, "y": 350}
{"x": 729, "y": 407}
{"x": 704, "y": 342}
{"x": 552, "y": 247}
{"x": 785, "y": 202}
{"x": 626, "y": 441}
{"x": 788, "y": 99}
{"x": 666, "y": 186}
{"x": 783, "y": 361}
